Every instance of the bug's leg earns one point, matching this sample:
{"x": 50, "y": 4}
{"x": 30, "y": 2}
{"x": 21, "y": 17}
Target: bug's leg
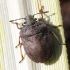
{"x": 20, "y": 45}
{"x": 16, "y": 24}
{"x": 54, "y": 26}
{"x": 21, "y": 53}
{"x": 17, "y": 19}
{"x": 57, "y": 38}
{"x": 41, "y": 11}
{"x": 50, "y": 23}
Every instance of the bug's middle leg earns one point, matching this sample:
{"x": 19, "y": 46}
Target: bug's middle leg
{"x": 54, "y": 26}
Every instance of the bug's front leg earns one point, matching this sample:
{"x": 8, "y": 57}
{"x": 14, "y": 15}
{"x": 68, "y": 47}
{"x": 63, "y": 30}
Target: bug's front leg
{"x": 57, "y": 38}
{"x": 16, "y": 24}
{"x": 50, "y": 23}
{"x": 20, "y": 45}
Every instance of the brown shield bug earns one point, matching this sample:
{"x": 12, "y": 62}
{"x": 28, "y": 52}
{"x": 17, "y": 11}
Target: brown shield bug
{"x": 36, "y": 38}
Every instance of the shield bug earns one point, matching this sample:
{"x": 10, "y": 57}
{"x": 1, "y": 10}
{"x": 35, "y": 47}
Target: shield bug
{"x": 36, "y": 38}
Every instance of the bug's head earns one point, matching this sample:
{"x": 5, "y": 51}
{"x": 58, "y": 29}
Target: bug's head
{"x": 30, "y": 19}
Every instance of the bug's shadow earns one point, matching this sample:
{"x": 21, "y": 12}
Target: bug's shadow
{"x": 57, "y": 48}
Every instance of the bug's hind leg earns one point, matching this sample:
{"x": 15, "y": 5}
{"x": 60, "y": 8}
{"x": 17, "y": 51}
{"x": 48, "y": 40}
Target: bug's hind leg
{"x": 20, "y": 45}
{"x": 57, "y": 39}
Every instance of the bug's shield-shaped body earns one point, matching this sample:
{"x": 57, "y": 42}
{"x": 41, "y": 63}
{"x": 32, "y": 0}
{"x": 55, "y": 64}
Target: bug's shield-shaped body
{"x": 37, "y": 41}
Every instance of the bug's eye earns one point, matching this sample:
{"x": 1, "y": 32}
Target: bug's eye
{"x": 24, "y": 24}
{"x": 35, "y": 19}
